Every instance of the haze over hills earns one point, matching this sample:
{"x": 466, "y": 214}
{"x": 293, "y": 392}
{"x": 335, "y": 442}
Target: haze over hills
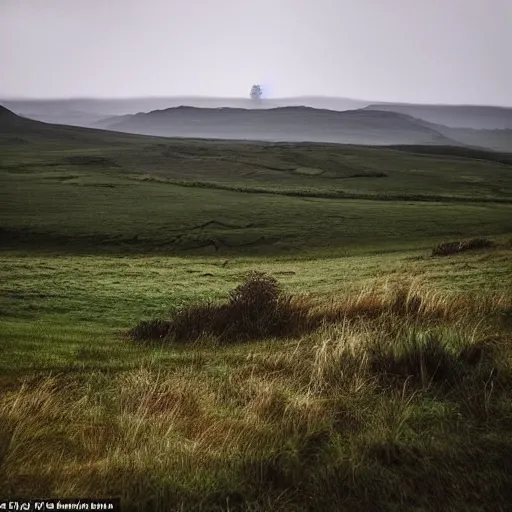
{"x": 485, "y": 127}
{"x": 12, "y": 125}
{"x": 286, "y": 124}
{"x": 88, "y": 111}
{"x": 454, "y": 116}
{"x": 363, "y": 126}
{"x": 480, "y": 126}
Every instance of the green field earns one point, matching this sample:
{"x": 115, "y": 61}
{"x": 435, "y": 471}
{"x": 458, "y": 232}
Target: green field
{"x": 400, "y": 400}
{"x": 93, "y": 191}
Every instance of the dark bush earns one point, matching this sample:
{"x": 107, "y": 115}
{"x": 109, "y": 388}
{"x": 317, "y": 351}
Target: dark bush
{"x": 447, "y": 248}
{"x": 150, "y": 330}
{"x": 259, "y": 291}
{"x": 256, "y": 309}
{"x": 197, "y": 320}
{"x": 369, "y": 174}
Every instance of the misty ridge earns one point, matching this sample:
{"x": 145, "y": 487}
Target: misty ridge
{"x": 286, "y": 124}
{"x": 299, "y": 119}
{"x": 88, "y": 111}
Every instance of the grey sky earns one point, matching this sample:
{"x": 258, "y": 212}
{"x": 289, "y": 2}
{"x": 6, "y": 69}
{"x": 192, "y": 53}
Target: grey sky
{"x": 434, "y": 51}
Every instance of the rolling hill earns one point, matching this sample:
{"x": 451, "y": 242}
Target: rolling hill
{"x": 284, "y": 124}
{"x": 8, "y": 119}
{"x": 16, "y": 130}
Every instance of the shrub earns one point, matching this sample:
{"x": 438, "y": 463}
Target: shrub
{"x": 258, "y": 292}
{"x": 150, "y": 330}
{"x": 447, "y": 248}
{"x": 196, "y": 320}
{"x": 256, "y": 309}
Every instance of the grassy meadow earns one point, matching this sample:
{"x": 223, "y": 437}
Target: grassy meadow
{"x": 391, "y": 391}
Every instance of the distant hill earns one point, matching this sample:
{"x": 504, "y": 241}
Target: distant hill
{"x": 286, "y": 124}
{"x": 454, "y": 116}
{"x": 19, "y": 130}
{"x": 290, "y": 124}
{"x": 88, "y": 111}
{"x": 6, "y": 113}
{"x": 12, "y": 124}
{"x": 95, "y": 112}
{"x": 497, "y": 140}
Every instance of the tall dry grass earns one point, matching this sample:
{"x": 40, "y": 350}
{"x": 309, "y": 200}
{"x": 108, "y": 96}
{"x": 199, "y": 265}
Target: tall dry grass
{"x": 259, "y": 309}
{"x": 388, "y": 403}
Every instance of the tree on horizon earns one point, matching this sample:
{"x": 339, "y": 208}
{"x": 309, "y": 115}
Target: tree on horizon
{"x": 256, "y": 92}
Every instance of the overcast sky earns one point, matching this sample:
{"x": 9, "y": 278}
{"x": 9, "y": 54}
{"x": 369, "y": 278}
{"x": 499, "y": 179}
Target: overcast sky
{"x": 433, "y": 51}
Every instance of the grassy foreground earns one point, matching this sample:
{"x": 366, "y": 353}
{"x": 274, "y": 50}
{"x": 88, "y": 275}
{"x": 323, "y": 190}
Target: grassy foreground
{"x": 397, "y": 401}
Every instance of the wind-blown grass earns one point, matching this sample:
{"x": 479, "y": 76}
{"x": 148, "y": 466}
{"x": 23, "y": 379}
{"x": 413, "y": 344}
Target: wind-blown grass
{"x": 400, "y": 398}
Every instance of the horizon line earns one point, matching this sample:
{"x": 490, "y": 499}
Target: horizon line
{"x": 238, "y": 98}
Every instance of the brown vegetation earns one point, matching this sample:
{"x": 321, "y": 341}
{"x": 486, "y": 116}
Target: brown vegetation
{"x": 259, "y": 308}
{"x": 448, "y": 248}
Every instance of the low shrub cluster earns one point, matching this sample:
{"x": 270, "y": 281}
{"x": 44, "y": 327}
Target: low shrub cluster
{"x": 258, "y": 308}
{"x": 448, "y": 248}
